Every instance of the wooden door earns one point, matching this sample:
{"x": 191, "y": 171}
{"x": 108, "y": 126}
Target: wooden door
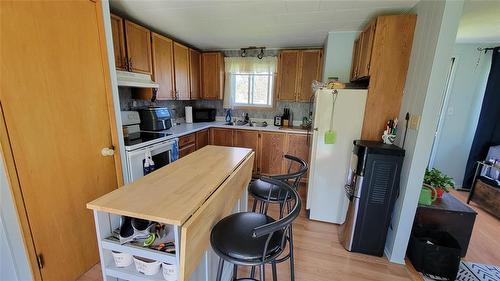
{"x": 118, "y": 42}
{"x": 58, "y": 115}
{"x": 194, "y": 74}
{"x": 355, "y": 60}
{"x": 247, "y": 139}
{"x": 202, "y": 139}
{"x": 298, "y": 146}
{"x": 138, "y": 41}
{"x": 310, "y": 70}
{"x": 222, "y": 137}
{"x": 288, "y": 72}
{"x": 181, "y": 69}
{"x": 212, "y": 75}
{"x": 163, "y": 66}
{"x": 271, "y": 152}
{"x": 366, "y": 51}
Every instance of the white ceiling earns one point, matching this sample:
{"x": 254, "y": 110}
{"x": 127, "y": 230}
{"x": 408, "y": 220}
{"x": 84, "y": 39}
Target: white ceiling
{"x": 480, "y": 22}
{"x": 210, "y": 24}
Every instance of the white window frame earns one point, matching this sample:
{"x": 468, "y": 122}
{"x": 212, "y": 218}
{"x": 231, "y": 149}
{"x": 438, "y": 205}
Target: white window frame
{"x": 251, "y": 77}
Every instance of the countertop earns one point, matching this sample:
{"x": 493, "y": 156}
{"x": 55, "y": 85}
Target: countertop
{"x": 185, "y": 128}
{"x": 173, "y": 193}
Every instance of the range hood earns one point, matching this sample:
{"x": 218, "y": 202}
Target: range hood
{"x": 138, "y": 80}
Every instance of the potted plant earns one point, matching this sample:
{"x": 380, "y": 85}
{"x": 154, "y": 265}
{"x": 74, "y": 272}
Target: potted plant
{"x": 441, "y": 182}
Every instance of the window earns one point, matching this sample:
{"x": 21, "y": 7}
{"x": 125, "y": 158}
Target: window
{"x": 249, "y": 82}
{"x": 252, "y": 89}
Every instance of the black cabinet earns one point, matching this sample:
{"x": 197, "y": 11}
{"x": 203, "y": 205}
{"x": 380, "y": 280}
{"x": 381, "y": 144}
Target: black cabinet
{"x": 450, "y": 215}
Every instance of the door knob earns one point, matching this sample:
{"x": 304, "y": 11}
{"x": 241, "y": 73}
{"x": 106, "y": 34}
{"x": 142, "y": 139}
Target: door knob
{"x": 107, "y": 151}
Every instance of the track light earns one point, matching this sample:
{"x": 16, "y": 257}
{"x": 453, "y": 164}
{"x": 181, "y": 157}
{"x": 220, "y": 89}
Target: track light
{"x": 261, "y": 54}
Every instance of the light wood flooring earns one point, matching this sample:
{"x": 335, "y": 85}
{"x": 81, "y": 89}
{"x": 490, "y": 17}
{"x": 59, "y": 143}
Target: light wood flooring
{"x": 320, "y": 257}
{"x": 484, "y": 246}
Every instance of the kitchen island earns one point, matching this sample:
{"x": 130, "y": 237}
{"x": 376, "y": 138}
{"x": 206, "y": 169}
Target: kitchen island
{"x": 189, "y": 196}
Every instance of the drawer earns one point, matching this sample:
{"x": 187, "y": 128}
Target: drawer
{"x": 186, "y": 150}
{"x": 185, "y": 140}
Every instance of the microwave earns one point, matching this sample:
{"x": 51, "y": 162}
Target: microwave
{"x": 204, "y": 114}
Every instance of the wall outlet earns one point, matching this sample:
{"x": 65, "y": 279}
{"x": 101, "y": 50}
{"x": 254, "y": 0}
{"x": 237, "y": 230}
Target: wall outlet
{"x": 414, "y": 122}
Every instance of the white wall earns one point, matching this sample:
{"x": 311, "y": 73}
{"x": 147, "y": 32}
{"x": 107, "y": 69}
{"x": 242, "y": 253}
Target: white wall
{"x": 14, "y": 263}
{"x": 436, "y": 29}
{"x": 461, "y": 112}
{"x": 338, "y": 55}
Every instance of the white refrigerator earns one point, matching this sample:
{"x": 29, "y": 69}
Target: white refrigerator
{"x": 326, "y": 199}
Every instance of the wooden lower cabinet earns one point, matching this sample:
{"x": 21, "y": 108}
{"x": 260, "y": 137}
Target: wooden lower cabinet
{"x": 298, "y": 146}
{"x": 187, "y": 150}
{"x": 187, "y": 144}
{"x": 248, "y": 139}
{"x": 202, "y": 139}
{"x": 269, "y": 147}
{"x": 271, "y": 152}
{"x": 222, "y": 137}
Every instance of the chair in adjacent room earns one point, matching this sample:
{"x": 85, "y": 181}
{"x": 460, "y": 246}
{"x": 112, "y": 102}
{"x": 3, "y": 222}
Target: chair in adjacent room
{"x": 255, "y": 239}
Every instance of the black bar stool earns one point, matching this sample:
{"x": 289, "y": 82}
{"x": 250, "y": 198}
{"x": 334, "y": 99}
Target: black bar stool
{"x": 265, "y": 193}
{"x": 254, "y": 239}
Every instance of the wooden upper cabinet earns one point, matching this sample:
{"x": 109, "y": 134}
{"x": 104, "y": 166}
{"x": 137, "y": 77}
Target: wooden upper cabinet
{"x": 271, "y": 152}
{"x": 355, "y": 59}
{"x": 222, "y": 137}
{"x": 387, "y": 67}
{"x": 163, "y": 66}
{"x": 194, "y": 74}
{"x": 118, "y": 42}
{"x": 138, "y": 41}
{"x": 181, "y": 68}
{"x": 212, "y": 75}
{"x": 288, "y": 75}
{"x": 310, "y": 70}
{"x": 366, "y": 51}
{"x": 297, "y": 69}
{"x": 247, "y": 139}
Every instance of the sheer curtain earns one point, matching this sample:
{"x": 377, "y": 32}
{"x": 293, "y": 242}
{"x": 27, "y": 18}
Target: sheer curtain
{"x": 246, "y": 65}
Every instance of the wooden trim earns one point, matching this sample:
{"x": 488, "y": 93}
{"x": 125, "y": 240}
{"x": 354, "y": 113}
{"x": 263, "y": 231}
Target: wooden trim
{"x": 194, "y": 233}
{"x": 108, "y": 93}
{"x": 17, "y": 194}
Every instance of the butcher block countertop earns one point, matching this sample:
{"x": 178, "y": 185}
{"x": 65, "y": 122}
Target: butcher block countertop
{"x": 174, "y": 193}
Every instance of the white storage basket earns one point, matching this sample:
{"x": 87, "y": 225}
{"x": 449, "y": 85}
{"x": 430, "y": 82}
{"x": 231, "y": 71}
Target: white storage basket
{"x": 122, "y": 259}
{"x": 146, "y": 266}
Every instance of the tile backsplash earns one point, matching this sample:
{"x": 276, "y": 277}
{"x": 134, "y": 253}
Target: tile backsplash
{"x": 298, "y": 109}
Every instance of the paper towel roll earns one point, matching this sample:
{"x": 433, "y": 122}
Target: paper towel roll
{"x": 189, "y": 114}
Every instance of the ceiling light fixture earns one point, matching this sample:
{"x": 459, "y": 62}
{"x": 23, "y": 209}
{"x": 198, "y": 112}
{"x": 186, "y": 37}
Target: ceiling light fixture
{"x": 261, "y": 54}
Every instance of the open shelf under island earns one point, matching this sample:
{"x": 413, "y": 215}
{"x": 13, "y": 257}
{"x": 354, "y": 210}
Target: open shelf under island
{"x": 189, "y": 196}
